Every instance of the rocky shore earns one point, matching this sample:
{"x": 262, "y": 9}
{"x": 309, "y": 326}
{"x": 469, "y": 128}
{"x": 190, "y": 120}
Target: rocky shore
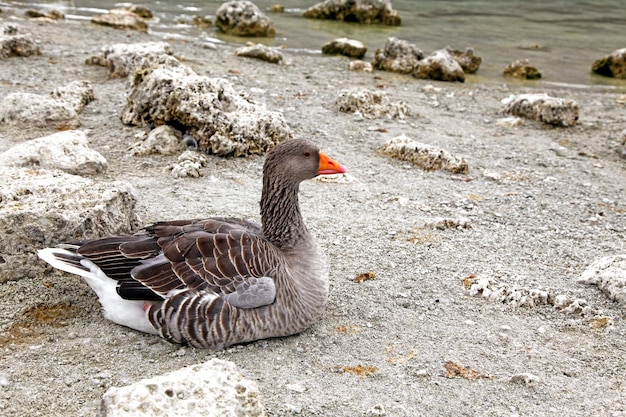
{"x": 474, "y": 244}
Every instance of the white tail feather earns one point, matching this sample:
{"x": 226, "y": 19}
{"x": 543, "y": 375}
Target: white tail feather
{"x": 129, "y": 313}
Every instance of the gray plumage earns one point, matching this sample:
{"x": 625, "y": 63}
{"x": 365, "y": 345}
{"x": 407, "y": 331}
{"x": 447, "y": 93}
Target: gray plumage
{"x": 215, "y": 282}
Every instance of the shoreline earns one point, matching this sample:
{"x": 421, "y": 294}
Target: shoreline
{"x": 555, "y": 206}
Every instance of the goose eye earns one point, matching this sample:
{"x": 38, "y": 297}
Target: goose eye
{"x": 307, "y": 154}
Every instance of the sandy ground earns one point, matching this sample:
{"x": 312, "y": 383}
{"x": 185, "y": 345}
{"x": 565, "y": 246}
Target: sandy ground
{"x": 557, "y": 206}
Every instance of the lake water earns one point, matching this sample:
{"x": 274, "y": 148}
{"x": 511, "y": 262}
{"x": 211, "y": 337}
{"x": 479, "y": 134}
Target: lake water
{"x": 561, "y": 38}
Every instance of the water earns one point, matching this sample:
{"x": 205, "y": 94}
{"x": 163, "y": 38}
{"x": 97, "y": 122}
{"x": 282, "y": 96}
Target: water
{"x": 561, "y": 38}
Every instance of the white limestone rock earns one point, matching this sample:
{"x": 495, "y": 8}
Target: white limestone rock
{"x": 59, "y": 110}
{"x": 343, "y": 46}
{"x": 427, "y": 157}
{"x": 68, "y": 151}
{"x": 44, "y": 207}
{"x": 370, "y": 104}
{"x": 213, "y": 389}
{"x": 223, "y": 121}
{"x": 121, "y": 58}
{"x": 162, "y": 140}
{"x": 243, "y": 18}
{"x": 544, "y": 108}
{"x": 439, "y": 65}
{"x": 609, "y": 274}
{"x": 189, "y": 164}
{"x": 260, "y": 51}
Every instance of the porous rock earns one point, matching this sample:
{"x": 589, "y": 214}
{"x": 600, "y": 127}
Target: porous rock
{"x": 609, "y": 274}
{"x": 522, "y": 68}
{"x": 213, "y": 389}
{"x": 544, "y": 108}
{"x": 121, "y": 19}
{"x": 260, "y": 51}
{"x": 469, "y": 62}
{"x": 360, "y": 11}
{"x": 370, "y": 104}
{"x": 67, "y": 151}
{"x": 222, "y": 121}
{"x": 189, "y": 164}
{"x": 243, "y": 18}
{"x": 425, "y": 156}
{"x": 358, "y": 65}
{"x": 39, "y": 208}
{"x": 343, "y": 46}
{"x": 59, "y": 110}
{"x": 13, "y": 43}
{"x": 121, "y": 58}
{"x": 398, "y": 55}
{"x": 612, "y": 65}
{"x": 162, "y": 140}
{"x": 441, "y": 66}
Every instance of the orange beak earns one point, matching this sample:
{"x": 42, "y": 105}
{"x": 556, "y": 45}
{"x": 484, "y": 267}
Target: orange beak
{"x": 328, "y": 166}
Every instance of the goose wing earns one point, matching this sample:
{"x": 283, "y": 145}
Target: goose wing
{"x": 225, "y": 256}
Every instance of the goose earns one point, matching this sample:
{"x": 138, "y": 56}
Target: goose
{"x": 215, "y": 282}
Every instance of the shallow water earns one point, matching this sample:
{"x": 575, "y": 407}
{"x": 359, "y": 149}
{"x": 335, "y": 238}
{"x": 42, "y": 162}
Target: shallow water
{"x": 561, "y": 38}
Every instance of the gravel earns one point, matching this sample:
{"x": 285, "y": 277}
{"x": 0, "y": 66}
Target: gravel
{"x": 537, "y": 207}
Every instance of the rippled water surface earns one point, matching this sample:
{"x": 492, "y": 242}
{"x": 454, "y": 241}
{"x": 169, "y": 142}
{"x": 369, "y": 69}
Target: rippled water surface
{"x": 561, "y": 38}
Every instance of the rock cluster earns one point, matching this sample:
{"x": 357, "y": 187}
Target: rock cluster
{"x": 544, "y": 108}
{"x": 223, "y": 122}
{"x": 59, "y": 110}
{"x": 398, "y": 55}
{"x": 522, "y": 69}
{"x": 13, "y": 43}
{"x": 213, "y": 389}
{"x": 444, "y": 65}
{"x": 440, "y": 65}
{"x": 425, "y": 156}
{"x": 612, "y": 65}
{"x": 243, "y": 18}
{"x": 370, "y": 104}
{"x": 361, "y": 11}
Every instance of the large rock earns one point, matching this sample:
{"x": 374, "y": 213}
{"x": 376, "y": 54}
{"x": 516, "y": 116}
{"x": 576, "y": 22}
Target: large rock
{"x": 609, "y": 274}
{"x": 361, "y": 11}
{"x": 398, "y": 55}
{"x": 43, "y": 207}
{"x": 544, "y": 108}
{"x": 425, "y": 156}
{"x": 522, "y": 68}
{"x": 121, "y": 19}
{"x": 344, "y": 46}
{"x": 13, "y": 43}
{"x": 441, "y": 66}
{"x": 212, "y": 389}
{"x": 121, "y": 58}
{"x": 243, "y": 18}
{"x": 67, "y": 151}
{"x": 612, "y": 65}
{"x": 59, "y": 110}
{"x": 222, "y": 121}
{"x": 370, "y": 104}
